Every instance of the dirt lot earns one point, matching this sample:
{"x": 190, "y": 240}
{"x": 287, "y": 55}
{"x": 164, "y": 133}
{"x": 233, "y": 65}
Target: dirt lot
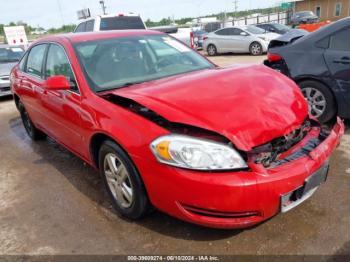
{"x": 52, "y": 203}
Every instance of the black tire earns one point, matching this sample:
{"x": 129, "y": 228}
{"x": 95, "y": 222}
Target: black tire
{"x": 140, "y": 205}
{"x": 255, "y": 49}
{"x": 330, "y": 110}
{"x": 212, "y": 50}
{"x": 34, "y": 133}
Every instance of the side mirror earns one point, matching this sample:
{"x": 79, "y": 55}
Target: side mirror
{"x": 243, "y": 34}
{"x": 57, "y": 83}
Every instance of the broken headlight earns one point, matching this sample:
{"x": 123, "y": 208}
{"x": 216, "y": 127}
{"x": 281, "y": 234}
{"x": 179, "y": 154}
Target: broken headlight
{"x": 195, "y": 153}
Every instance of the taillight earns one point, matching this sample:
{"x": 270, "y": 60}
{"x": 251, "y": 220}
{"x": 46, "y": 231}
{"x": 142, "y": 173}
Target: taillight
{"x": 274, "y": 57}
{"x": 205, "y": 38}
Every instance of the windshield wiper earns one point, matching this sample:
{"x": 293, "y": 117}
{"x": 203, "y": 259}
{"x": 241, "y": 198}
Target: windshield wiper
{"x": 127, "y": 84}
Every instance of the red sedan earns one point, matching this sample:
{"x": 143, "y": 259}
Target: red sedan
{"x": 220, "y": 147}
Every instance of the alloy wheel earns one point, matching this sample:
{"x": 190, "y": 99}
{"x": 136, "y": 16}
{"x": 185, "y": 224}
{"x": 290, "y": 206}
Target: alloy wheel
{"x": 256, "y": 49}
{"x": 118, "y": 180}
{"x": 316, "y": 100}
{"x": 211, "y": 50}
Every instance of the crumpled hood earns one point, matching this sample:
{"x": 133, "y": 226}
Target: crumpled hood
{"x": 5, "y": 68}
{"x": 250, "y": 105}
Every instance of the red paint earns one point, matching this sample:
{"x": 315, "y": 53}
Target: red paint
{"x": 249, "y": 105}
{"x": 57, "y": 83}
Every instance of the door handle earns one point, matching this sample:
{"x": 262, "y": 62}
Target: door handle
{"x": 343, "y": 60}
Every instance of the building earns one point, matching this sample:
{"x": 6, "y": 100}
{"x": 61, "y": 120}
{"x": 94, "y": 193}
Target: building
{"x": 325, "y": 9}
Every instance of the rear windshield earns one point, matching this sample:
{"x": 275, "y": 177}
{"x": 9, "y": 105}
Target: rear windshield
{"x": 121, "y": 23}
{"x": 10, "y": 54}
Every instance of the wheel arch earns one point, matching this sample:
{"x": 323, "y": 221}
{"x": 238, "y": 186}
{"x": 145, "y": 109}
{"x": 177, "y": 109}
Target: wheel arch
{"x": 16, "y": 99}
{"x": 95, "y": 144}
{"x": 299, "y": 80}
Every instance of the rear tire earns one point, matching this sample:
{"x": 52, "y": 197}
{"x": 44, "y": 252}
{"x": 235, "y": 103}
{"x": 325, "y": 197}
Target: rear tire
{"x": 123, "y": 182}
{"x": 255, "y": 49}
{"x": 212, "y": 50}
{"x": 322, "y": 104}
{"x": 32, "y": 131}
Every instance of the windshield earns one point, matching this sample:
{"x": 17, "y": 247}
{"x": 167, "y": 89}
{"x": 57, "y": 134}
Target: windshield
{"x": 281, "y": 27}
{"x": 255, "y": 30}
{"x": 121, "y": 23}
{"x": 119, "y": 62}
{"x": 10, "y": 54}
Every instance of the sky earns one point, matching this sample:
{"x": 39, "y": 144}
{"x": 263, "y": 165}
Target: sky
{"x": 54, "y": 13}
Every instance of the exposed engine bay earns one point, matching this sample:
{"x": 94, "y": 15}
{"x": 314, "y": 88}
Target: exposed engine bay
{"x": 269, "y": 155}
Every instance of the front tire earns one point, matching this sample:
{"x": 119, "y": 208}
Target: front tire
{"x": 32, "y": 131}
{"x": 212, "y": 50}
{"x": 122, "y": 181}
{"x": 322, "y": 104}
{"x": 256, "y": 49}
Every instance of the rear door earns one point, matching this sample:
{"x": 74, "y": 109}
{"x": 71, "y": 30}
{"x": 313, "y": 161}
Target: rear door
{"x": 337, "y": 57}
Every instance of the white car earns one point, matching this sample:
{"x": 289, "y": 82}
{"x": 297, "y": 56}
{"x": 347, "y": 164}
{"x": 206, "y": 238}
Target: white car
{"x": 111, "y": 22}
{"x": 238, "y": 39}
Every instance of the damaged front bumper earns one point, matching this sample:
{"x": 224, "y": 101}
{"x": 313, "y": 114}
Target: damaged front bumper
{"x": 240, "y": 199}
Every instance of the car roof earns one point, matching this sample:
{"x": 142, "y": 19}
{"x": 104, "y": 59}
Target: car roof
{"x": 88, "y": 36}
{"x": 109, "y": 16}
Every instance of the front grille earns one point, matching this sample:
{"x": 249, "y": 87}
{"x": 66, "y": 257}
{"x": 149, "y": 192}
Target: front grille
{"x": 268, "y": 154}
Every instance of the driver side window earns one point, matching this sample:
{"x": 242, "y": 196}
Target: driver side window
{"x": 57, "y": 63}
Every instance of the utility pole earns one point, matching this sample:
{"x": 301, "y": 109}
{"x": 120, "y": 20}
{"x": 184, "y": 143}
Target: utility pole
{"x": 102, "y": 3}
{"x": 60, "y": 9}
{"x": 235, "y": 3}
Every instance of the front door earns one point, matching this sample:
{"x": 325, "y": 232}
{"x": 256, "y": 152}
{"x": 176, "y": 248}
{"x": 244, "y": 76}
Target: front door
{"x": 62, "y": 107}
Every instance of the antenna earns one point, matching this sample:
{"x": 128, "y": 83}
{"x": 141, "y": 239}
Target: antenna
{"x": 102, "y": 3}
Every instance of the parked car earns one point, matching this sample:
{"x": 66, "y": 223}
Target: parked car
{"x": 110, "y": 22}
{"x": 319, "y": 63}
{"x": 274, "y": 28}
{"x": 304, "y": 17}
{"x": 243, "y": 39}
{"x": 209, "y": 145}
{"x": 9, "y": 57}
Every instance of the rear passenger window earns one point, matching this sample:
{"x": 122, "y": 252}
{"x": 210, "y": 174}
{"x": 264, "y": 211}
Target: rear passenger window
{"x": 225, "y": 31}
{"x": 341, "y": 40}
{"x": 90, "y": 26}
{"x": 35, "y": 60}
{"x": 80, "y": 28}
